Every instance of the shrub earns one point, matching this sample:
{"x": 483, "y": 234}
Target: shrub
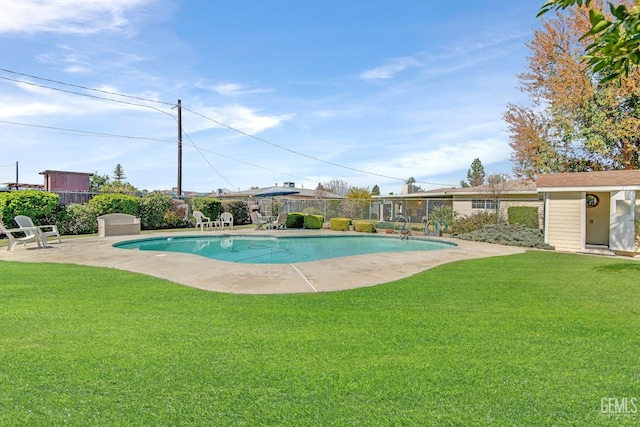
{"x": 524, "y": 215}
{"x": 473, "y": 222}
{"x": 37, "y": 205}
{"x": 239, "y": 210}
{"x": 77, "y": 219}
{"x": 444, "y": 213}
{"x": 313, "y": 222}
{"x": 295, "y": 220}
{"x": 364, "y": 227}
{"x": 176, "y": 216}
{"x": 209, "y": 206}
{"x": 512, "y": 235}
{"x": 153, "y": 209}
{"x": 115, "y": 203}
{"x": 340, "y": 224}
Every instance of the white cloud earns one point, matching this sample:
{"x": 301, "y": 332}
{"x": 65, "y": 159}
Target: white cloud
{"x": 391, "y": 68}
{"x": 66, "y": 16}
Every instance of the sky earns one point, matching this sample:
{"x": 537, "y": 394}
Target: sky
{"x": 369, "y": 93}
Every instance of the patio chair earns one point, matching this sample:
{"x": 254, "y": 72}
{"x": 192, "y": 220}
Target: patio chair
{"x": 44, "y": 230}
{"x": 21, "y": 235}
{"x": 202, "y": 221}
{"x": 282, "y": 221}
{"x": 226, "y": 218}
{"x": 258, "y": 220}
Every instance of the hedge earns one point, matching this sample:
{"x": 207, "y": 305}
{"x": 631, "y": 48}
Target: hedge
{"x": 295, "y": 220}
{"x": 37, "y": 205}
{"x": 313, "y": 222}
{"x": 364, "y": 227}
{"x": 340, "y": 224}
{"x": 115, "y": 203}
{"x": 209, "y": 206}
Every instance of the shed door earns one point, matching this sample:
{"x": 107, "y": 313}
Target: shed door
{"x": 622, "y": 221}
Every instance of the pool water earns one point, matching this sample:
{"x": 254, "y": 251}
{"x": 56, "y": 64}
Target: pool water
{"x": 281, "y": 250}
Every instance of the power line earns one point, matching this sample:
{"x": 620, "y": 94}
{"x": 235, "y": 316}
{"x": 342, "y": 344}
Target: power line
{"x": 207, "y": 160}
{"x": 86, "y": 132}
{"x": 191, "y": 111}
{"x": 86, "y": 87}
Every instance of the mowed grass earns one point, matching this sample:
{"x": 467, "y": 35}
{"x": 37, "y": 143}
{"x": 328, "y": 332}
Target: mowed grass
{"x": 532, "y": 339}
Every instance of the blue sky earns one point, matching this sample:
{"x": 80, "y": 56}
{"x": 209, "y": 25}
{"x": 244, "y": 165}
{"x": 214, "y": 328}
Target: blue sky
{"x": 370, "y": 93}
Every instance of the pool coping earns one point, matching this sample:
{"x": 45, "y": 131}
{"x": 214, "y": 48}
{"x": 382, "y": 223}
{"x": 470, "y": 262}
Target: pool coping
{"x": 220, "y": 276}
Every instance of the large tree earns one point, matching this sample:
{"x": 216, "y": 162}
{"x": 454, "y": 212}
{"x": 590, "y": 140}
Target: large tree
{"x": 616, "y": 36}
{"x": 575, "y": 121}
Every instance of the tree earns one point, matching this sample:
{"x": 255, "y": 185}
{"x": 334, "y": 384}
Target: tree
{"x": 337, "y": 186}
{"x": 615, "y": 37}
{"x": 575, "y": 122}
{"x": 96, "y": 182}
{"x": 475, "y": 174}
{"x": 357, "y": 203}
{"x": 118, "y": 174}
{"x": 375, "y": 191}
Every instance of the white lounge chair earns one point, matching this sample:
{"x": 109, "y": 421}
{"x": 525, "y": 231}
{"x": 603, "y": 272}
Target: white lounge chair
{"x": 21, "y": 235}
{"x": 226, "y": 218}
{"x": 203, "y": 221}
{"x": 282, "y": 221}
{"x": 45, "y": 230}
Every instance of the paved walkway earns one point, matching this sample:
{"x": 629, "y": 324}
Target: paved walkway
{"x": 203, "y": 273}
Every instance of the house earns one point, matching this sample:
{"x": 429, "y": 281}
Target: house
{"x": 584, "y": 210}
{"x": 463, "y": 200}
{"x": 60, "y": 181}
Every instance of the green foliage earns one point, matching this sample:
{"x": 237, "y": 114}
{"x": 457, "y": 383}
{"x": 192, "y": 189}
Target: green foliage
{"x": 512, "y": 235}
{"x": 209, "y": 206}
{"x": 340, "y": 224}
{"x": 476, "y": 174}
{"x": 524, "y": 215}
{"x": 444, "y": 213}
{"x": 176, "y": 216}
{"x": 38, "y": 205}
{"x": 77, "y": 219}
{"x": 295, "y": 220}
{"x": 115, "y": 203}
{"x": 616, "y": 45}
{"x": 153, "y": 209}
{"x": 97, "y": 182}
{"x": 239, "y": 210}
{"x": 473, "y": 222}
{"x": 364, "y": 226}
{"x": 313, "y": 222}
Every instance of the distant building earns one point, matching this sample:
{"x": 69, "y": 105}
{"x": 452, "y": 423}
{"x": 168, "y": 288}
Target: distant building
{"x": 66, "y": 181}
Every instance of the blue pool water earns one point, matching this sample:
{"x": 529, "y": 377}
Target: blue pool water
{"x": 281, "y": 250}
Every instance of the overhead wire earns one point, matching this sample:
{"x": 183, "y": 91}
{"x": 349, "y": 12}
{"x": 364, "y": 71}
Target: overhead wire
{"x": 191, "y": 111}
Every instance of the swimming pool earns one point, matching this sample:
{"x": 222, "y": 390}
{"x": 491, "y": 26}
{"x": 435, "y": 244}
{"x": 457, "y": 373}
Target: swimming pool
{"x": 281, "y": 250}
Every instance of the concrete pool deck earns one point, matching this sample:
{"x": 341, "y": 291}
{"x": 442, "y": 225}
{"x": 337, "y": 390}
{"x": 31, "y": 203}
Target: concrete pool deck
{"x": 219, "y": 276}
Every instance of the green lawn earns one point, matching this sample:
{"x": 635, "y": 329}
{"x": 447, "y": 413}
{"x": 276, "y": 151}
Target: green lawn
{"x": 533, "y": 339}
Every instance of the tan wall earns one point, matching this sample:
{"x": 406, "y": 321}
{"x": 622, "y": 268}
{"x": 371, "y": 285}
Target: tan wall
{"x": 463, "y": 206}
{"x": 565, "y": 221}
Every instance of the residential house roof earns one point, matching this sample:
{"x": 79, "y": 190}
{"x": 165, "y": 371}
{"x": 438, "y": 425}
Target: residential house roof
{"x": 619, "y": 179}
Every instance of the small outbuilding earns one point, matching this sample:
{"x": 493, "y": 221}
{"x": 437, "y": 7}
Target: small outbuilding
{"x": 590, "y": 210}
{"x": 66, "y": 181}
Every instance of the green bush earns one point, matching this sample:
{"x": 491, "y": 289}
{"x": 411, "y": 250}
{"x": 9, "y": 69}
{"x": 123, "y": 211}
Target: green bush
{"x": 37, "y": 205}
{"x": 474, "y": 222}
{"x": 115, "y": 203}
{"x": 295, "y": 220}
{"x": 209, "y": 206}
{"x": 152, "y": 211}
{"x": 364, "y": 227}
{"x": 313, "y": 222}
{"x": 512, "y": 235}
{"x": 77, "y": 219}
{"x": 444, "y": 213}
{"x": 523, "y": 215}
{"x": 340, "y": 224}
{"x": 239, "y": 210}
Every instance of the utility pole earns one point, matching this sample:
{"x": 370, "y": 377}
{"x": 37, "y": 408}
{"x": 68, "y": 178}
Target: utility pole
{"x": 179, "y": 149}
{"x": 17, "y": 181}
